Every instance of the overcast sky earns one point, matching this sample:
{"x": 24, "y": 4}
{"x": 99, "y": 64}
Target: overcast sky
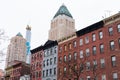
{"x": 15, "y": 15}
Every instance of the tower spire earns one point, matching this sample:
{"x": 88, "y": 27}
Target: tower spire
{"x": 28, "y": 42}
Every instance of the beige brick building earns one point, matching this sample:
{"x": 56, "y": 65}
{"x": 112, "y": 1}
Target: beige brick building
{"x": 16, "y": 50}
{"x": 62, "y": 24}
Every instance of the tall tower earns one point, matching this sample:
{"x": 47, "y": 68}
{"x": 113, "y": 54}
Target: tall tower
{"x": 28, "y": 40}
{"x": 62, "y": 24}
{"x": 16, "y": 50}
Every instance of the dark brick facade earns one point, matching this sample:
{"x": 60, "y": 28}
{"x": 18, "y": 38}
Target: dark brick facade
{"x": 36, "y": 63}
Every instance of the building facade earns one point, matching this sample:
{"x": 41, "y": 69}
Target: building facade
{"x": 62, "y": 24}
{"x": 17, "y": 70}
{"x": 49, "y": 68}
{"x": 16, "y": 50}
{"x": 36, "y": 63}
{"x": 96, "y": 55}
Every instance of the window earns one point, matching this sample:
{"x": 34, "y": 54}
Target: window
{"x": 113, "y": 60}
{"x": 87, "y": 65}
{"x": 87, "y": 40}
{"x": 46, "y": 72}
{"x": 93, "y": 37}
{"x": 60, "y": 49}
{"x": 75, "y": 67}
{"x": 45, "y": 53}
{"x": 70, "y": 46}
{"x": 54, "y": 60}
{"x": 119, "y": 42}
{"x": 55, "y": 50}
{"x": 65, "y": 58}
{"x": 60, "y": 59}
{"x": 87, "y": 52}
{"x": 81, "y": 67}
{"x": 94, "y": 50}
{"x": 115, "y": 76}
{"x": 100, "y": 34}
{"x": 60, "y": 71}
{"x": 65, "y": 47}
{"x": 112, "y": 45}
{"x": 50, "y": 61}
{"x": 75, "y": 56}
{"x": 118, "y": 27}
{"x": 43, "y": 73}
{"x": 102, "y": 61}
{"x": 94, "y": 64}
{"x": 103, "y": 77}
{"x": 81, "y": 54}
{"x": 69, "y": 57}
{"x": 64, "y": 69}
{"x": 47, "y": 62}
{"x": 50, "y": 71}
{"x": 110, "y": 31}
{"x": 43, "y": 63}
{"x": 51, "y": 50}
{"x": 81, "y": 78}
{"x": 101, "y": 48}
{"x": 48, "y": 52}
{"x": 88, "y": 77}
{"x": 54, "y": 71}
{"x": 74, "y": 43}
{"x": 81, "y": 42}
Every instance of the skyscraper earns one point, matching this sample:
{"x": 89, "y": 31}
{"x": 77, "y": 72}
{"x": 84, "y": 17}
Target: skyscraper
{"x": 62, "y": 24}
{"x": 28, "y": 40}
{"x": 16, "y": 50}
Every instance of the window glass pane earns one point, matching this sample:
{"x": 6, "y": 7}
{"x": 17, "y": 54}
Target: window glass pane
{"x": 103, "y": 77}
{"x": 81, "y": 54}
{"x": 112, "y": 45}
{"x": 100, "y": 34}
{"x": 110, "y": 31}
{"x": 86, "y": 39}
{"x": 118, "y": 27}
{"x": 115, "y": 76}
{"x": 65, "y": 58}
{"x": 81, "y": 42}
{"x": 87, "y": 52}
{"x": 94, "y": 50}
{"x": 93, "y": 37}
{"x": 101, "y": 48}
{"x": 74, "y": 43}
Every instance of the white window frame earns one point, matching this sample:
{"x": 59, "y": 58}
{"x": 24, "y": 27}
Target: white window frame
{"x": 100, "y": 34}
{"x": 81, "y": 42}
{"x": 103, "y": 77}
{"x": 81, "y": 54}
{"x": 94, "y": 37}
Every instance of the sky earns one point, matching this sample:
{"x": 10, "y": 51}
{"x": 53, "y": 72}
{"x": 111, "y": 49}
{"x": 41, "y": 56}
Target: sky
{"x": 15, "y": 15}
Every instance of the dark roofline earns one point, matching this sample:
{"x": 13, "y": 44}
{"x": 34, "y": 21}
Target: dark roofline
{"x": 90, "y": 28}
{"x": 36, "y": 49}
{"x": 49, "y": 44}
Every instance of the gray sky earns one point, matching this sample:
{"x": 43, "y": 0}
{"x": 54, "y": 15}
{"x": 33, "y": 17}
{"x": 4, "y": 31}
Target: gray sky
{"x": 15, "y": 15}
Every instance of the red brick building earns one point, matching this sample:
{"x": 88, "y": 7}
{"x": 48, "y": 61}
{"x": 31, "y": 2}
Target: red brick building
{"x": 17, "y": 70}
{"x": 36, "y": 63}
{"x": 93, "y": 53}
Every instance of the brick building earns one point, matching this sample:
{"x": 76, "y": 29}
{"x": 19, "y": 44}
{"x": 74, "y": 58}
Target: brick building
{"x": 17, "y": 70}
{"x": 94, "y": 53}
{"x": 36, "y": 63}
